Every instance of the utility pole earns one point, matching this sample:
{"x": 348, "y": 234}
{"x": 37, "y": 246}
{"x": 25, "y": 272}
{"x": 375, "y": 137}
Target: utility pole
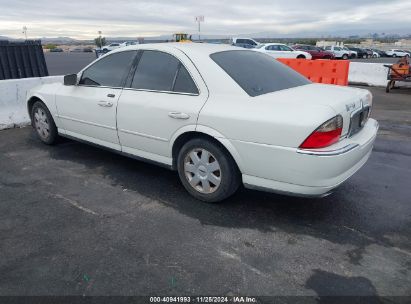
{"x": 199, "y": 19}
{"x": 25, "y": 31}
{"x": 99, "y": 37}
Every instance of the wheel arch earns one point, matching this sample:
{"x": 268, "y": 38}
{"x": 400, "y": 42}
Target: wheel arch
{"x": 206, "y": 133}
{"x": 31, "y": 101}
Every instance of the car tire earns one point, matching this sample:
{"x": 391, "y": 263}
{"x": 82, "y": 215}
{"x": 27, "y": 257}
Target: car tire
{"x": 207, "y": 171}
{"x": 394, "y": 55}
{"x": 345, "y": 57}
{"x": 43, "y": 123}
{"x": 301, "y": 57}
{"x": 364, "y": 56}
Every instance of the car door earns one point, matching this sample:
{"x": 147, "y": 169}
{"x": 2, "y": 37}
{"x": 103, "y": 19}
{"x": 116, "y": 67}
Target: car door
{"x": 274, "y": 50}
{"x": 164, "y": 94}
{"x": 88, "y": 109}
{"x": 287, "y": 52}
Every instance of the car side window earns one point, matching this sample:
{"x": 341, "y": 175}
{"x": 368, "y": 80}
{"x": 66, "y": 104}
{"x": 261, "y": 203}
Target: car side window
{"x": 159, "y": 71}
{"x": 109, "y": 71}
{"x": 250, "y": 42}
{"x": 285, "y": 48}
{"x": 273, "y": 48}
{"x": 184, "y": 83}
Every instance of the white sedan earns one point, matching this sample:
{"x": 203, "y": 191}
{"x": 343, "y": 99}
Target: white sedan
{"x": 279, "y": 50}
{"x": 219, "y": 115}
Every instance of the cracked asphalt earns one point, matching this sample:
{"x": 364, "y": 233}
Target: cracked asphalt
{"x": 78, "y": 220}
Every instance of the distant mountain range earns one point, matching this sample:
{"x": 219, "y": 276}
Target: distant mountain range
{"x": 362, "y": 33}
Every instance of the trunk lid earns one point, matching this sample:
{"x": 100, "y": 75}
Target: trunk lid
{"x": 345, "y": 101}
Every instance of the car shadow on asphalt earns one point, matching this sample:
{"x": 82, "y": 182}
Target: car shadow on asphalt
{"x": 335, "y": 218}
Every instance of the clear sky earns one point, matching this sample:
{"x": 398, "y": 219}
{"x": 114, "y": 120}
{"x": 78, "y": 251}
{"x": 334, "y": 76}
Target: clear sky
{"x": 83, "y": 18}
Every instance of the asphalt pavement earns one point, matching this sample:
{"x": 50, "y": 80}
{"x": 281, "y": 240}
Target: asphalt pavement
{"x": 67, "y": 62}
{"x": 78, "y": 220}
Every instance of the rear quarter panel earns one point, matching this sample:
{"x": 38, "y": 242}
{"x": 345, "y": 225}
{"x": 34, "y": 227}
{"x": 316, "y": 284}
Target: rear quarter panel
{"x": 268, "y": 120}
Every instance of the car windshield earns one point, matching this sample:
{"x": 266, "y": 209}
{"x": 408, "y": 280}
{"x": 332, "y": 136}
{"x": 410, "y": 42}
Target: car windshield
{"x": 258, "y": 73}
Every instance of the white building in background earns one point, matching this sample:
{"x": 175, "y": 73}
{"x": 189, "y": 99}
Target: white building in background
{"x": 403, "y": 43}
{"x": 323, "y": 43}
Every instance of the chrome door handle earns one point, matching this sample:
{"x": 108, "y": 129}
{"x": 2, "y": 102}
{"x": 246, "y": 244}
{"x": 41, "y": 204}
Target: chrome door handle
{"x": 178, "y": 115}
{"x": 105, "y": 104}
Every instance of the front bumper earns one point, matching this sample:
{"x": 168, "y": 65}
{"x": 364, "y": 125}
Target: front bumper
{"x": 306, "y": 172}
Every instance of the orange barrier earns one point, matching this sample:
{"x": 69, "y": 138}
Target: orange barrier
{"x": 321, "y": 71}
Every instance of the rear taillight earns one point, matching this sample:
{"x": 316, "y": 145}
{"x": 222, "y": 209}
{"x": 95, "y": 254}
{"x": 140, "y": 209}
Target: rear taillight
{"x": 326, "y": 134}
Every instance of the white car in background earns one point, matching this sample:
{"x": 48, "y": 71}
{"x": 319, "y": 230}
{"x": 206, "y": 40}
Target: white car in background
{"x": 111, "y": 46}
{"x": 351, "y": 53}
{"x": 397, "y": 53}
{"x": 280, "y": 50}
{"x": 375, "y": 54}
{"x": 338, "y": 51}
{"x": 218, "y": 115}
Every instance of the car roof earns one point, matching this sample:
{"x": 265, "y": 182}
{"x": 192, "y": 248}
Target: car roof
{"x": 189, "y": 48}
{"x": 199, "y": 54}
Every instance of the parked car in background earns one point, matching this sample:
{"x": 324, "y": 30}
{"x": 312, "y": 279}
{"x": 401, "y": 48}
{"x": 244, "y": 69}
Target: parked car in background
{"x": 110, "y": 47}
{"x": 338, "y": 52}
{"x": 76, "y": 50}
{"x": 351, "y": 53}
{"x": 280, "y": 50}
{"x": 81, "y": 50}
{"x": 374, "y": 53}
{"x": 244, "y": 45}
{"x": 56, "y": 50}
{"x": 361, "y": 53}
{"x": 397, "y": 53}
{"x": 247, "y": 43}
{"x": 168, "y": 103}
{"x": 380, "y": 53}
{"x": 316, "y": 52}
{"x": 127, "y": 43}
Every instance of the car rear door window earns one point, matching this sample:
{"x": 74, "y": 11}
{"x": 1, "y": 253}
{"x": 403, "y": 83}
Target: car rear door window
{"x": 155, "y": 71}
{"x": 258, "y": 73}
{"x": 159, "y": 71}
{"x": 109, "y": 71}
{"x": 184, "y": 83}
{"x": 285, "y": 48}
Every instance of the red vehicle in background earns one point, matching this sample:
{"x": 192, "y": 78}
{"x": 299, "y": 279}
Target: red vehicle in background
{"x": 316, "y": 52}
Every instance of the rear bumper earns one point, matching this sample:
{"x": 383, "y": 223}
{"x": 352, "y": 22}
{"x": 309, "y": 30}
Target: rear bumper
{"x": 306, "y": 172}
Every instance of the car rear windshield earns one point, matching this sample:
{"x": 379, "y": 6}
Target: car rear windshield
{"x": 258, "y": 73}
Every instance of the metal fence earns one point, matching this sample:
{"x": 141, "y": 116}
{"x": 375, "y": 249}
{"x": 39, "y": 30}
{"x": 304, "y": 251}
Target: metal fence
{"x": 22, "y": 60}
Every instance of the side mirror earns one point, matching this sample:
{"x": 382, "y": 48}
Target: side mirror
{"x": 70, "y": 80}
